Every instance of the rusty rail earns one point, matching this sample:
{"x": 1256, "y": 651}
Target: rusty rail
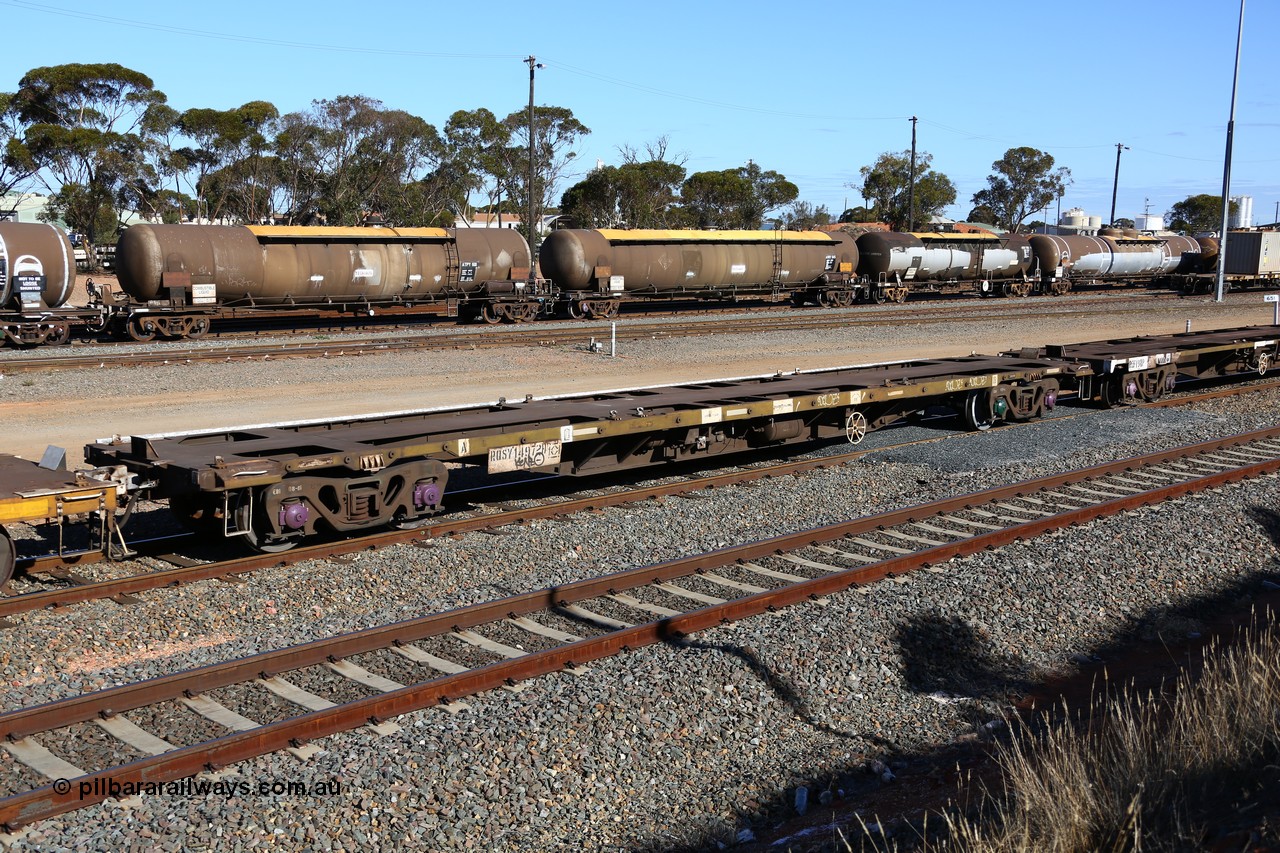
{"x": 559, "y": 334}
{"x": 185, "y": 761}
{"x": 81, "y": 592}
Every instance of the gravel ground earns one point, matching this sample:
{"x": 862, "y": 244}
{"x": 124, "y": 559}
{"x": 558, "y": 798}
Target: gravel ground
{"x": 673, "y": 746}
{"x": 68, "y": 408}
{"x": 670, "y": 746}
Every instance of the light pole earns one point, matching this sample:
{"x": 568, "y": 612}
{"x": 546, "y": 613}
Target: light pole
{"x": 1120, "y": 146}
{"x": 533, "y": 140}
{"x": 911, "y": 181}
{"x": 1226, "y": 167}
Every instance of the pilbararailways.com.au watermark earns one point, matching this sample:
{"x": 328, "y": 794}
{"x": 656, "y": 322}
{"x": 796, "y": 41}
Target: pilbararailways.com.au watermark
{"x": 101, "y": 788}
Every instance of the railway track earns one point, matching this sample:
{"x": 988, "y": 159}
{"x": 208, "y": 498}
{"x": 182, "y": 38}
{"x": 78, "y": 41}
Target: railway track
{"x": 78, "y": 589}
{"x": 438, "y": 659}
{"x": 561, "y": 334}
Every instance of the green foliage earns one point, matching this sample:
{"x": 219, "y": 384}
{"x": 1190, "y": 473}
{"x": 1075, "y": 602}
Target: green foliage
{"x": 1197, "y": 213}
{"x": 88, "y": 127}
{"x": 556, "y": 132}
{"x": 803, "y": 216}
{"x": 633, "y": 195}
{"x": 982, "y": 213}
{"x": 858, "y": 214}
{"x": 1022, "y": 182}
{"x": 887, "y": 183}
{"x": 1124, "y": 222}
{"x": 735, "y": 198}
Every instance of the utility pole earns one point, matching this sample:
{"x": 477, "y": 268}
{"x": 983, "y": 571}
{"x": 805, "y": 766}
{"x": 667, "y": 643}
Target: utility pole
{"x": 533, "y": 144}
{"x": 1226, "y": 167}
{"x": 1120, "y": 146}
{"x": 911, "y": 181}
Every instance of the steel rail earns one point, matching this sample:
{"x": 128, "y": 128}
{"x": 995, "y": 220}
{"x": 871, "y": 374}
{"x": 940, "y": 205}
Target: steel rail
{"x": 142, "y": 582}
{"x": 560, "y": 335}
{"x": 51, "y": 800}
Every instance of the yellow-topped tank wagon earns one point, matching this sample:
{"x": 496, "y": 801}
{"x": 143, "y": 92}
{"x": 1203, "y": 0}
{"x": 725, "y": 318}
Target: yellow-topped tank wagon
{"x": 181, "y": 277}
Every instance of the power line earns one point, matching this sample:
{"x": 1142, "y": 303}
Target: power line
{"x": 218, "y": 36}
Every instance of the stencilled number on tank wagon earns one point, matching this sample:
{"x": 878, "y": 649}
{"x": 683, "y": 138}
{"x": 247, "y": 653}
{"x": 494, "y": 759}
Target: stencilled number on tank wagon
{"x": 520, "y": 457}
{"x": 467, "y": 271}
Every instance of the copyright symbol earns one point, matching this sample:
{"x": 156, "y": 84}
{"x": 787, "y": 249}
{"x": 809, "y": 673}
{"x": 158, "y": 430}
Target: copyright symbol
{"x": 61, "y": 786}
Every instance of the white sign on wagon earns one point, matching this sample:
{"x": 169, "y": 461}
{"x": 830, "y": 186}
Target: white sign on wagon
{"x": 520, "y": 457}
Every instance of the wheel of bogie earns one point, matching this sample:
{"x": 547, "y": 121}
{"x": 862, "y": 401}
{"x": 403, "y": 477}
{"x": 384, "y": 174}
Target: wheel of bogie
{"x": 249, "y": 516}
{"x": 1113, "y": 392}
{"x": 1006, "y": 289}
{"x": 900, "y": 296}
{"x": 977, "y": 411}
{"x": 875, "y": 294}
{"x": 575, "y": 309}
{"x": 142, "y": 329}
{"x": 199, "y": 328}
{"x": 610, "y": 311}
{"x": 491, "y": 314}
{"x": 798, "y": 298}
{"x": 855, "y": 426}
{"x": 8, "y": 557}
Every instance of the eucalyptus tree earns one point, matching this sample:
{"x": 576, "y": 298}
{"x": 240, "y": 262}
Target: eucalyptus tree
{"x": 557, "y": 131}
{"x": 1021, "y": 182}
{"x": 887, "y": 183}
{"x": 735, "y": 198}
{"x": 87, "y": 131}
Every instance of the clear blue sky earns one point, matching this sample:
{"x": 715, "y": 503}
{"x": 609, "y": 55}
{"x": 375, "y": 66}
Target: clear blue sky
{"x": 812, "y": 90}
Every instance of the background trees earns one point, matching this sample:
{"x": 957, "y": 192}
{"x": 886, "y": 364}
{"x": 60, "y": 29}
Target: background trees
{"x": 1197, "y": 213}
{"x": 1022, "y": 182}
{"x": 886, "y": 182}
{"x": 84, "y": 128}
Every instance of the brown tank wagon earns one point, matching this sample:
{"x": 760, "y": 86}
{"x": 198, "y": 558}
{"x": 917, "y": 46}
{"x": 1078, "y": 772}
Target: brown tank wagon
{"x": 180, "y": 276}
{"x": 595, "y": 270}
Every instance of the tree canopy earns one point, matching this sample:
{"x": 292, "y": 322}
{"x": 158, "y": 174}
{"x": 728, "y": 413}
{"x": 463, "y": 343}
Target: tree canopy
{"x": 887, "y": 183}
{"x": 1022, "y": 182}
{"x": 86, "y": 129}
{"x": 1197, "y": 213}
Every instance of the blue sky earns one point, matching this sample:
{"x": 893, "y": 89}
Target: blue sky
{"x": 814, "y": 91}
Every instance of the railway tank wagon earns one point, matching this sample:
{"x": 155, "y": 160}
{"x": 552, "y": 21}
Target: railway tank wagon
{"x": 180, "y": 277}
{"x": 37, "y": 276}
{"x": 897, "y": 263}
{"x": 595, "y": 270}
{"x": 1114, "y": 255}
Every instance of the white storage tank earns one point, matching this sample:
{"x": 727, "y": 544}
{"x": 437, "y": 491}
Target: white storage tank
{"x": 1073, "y": 218}
{"x": 1094, "y": 223}
{"x": 1243, "y": 217}
{"x": 1149, "y": 222}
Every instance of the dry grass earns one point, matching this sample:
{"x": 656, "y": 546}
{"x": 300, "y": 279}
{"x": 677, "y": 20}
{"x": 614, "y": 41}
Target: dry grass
{"x": 1172, "y": 771}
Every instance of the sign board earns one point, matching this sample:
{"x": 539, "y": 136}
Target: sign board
{"x": 1271, "y": 297}
{"x": 204, "y": 294}
{"x": 521, "y": 457}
